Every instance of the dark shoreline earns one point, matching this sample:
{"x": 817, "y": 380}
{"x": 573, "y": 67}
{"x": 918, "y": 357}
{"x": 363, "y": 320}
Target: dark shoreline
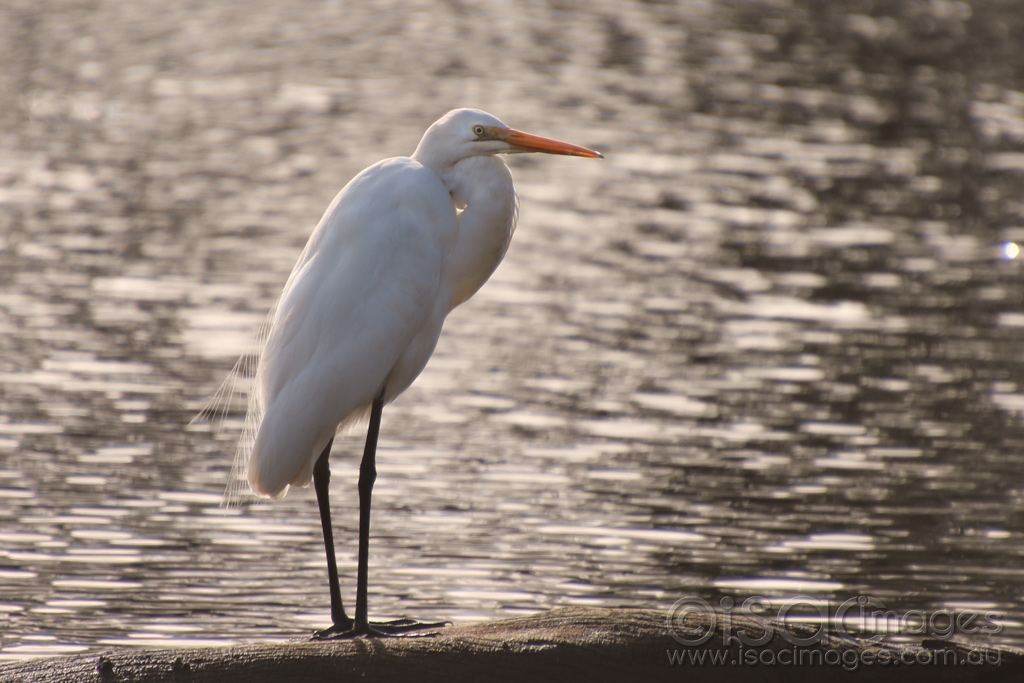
{"x": 569, "y": 643}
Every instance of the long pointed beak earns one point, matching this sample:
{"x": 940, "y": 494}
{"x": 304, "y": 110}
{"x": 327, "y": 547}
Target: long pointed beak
{"x": 525, "y": 142}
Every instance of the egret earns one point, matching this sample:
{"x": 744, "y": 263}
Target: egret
{"x": 404, "y": 242}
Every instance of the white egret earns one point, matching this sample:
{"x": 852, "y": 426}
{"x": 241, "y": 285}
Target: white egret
{"x": 405, "y": 242}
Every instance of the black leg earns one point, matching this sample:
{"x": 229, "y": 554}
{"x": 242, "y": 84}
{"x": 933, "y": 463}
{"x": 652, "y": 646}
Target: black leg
{"x": 321, "y": 482}
{"x": 367, "y": 475}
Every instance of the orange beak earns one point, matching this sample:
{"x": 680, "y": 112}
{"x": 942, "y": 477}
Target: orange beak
{"x": 524, "y": 142}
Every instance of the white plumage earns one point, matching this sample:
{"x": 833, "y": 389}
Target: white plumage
{"x": 402, "y": 244}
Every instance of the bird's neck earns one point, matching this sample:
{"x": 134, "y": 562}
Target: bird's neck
{"x": 485, "y": 200}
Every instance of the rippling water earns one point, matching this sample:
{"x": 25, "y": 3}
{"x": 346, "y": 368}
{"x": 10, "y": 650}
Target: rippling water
{"x": 769, "y": 346}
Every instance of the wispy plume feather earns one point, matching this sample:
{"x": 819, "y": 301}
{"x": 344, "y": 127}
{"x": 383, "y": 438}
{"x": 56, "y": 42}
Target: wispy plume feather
{"x": 239, "y": 384}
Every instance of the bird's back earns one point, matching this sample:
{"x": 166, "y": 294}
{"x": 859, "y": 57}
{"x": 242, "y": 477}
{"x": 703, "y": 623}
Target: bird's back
{"x": 363, "y": 289}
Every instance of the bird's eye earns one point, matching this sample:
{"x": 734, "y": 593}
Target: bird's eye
{"x": 478, "y": 130}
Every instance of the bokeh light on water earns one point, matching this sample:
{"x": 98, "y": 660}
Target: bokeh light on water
{"x": 770, "y": 345}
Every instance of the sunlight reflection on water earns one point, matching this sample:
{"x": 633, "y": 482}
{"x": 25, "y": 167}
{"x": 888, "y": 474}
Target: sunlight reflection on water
{"x": 768, "y": 346}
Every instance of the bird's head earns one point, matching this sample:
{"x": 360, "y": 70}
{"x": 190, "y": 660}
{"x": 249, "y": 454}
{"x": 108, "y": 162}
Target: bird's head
{"x": 464, "y": 133}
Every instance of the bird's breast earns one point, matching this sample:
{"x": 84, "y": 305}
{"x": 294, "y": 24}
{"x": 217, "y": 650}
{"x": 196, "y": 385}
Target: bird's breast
{"x": 482, "y": 186}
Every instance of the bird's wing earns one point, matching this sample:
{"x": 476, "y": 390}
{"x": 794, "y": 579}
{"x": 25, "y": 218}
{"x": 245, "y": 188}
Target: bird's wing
{"x": 366, "y": 283}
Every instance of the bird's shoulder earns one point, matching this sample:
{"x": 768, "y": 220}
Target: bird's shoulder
{"x": 397, "y": 181}
{"x": 399, "y": 197}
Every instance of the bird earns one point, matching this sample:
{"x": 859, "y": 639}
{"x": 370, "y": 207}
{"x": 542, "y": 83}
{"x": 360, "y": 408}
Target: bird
{"x": 405, "y": 242}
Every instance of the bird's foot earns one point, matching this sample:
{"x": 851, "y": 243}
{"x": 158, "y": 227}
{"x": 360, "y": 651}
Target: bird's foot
{"x": 334, "y": 631}
{"x": 382, "y": 629}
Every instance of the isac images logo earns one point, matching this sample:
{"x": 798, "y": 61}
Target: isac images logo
{"x": 806, "y": 631}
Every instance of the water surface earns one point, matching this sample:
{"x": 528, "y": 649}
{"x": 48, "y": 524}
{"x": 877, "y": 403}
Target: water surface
{"x": 769, "y": 346}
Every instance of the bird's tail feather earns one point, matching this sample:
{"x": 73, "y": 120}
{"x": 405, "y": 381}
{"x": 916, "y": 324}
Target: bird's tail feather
{"x": 239, "y": 385}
